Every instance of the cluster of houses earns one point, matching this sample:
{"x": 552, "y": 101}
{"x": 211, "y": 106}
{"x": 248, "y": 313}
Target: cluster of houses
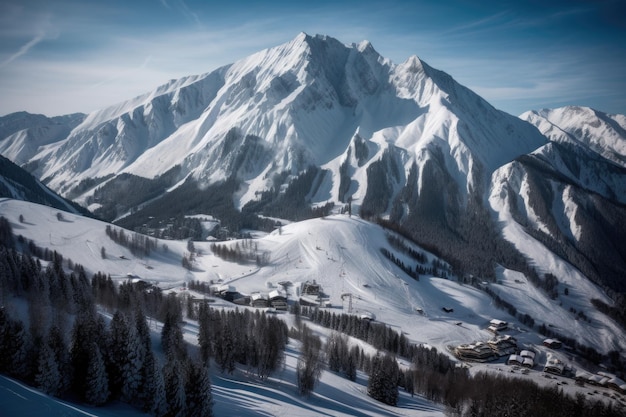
{"x": 310, "y": 292}
{"x": 276, "y": 299}
{"x": 525, "y": 358}
{"x": 486, "y": 351}
{"x": 602, "y": 379}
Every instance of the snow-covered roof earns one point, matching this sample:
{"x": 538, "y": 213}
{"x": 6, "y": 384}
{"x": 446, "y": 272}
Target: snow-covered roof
{"x": 515, "y": 358}
{"x": 258, "y": 296}
{"x": 225, "y": 288}
{"x": 276, "y": 294}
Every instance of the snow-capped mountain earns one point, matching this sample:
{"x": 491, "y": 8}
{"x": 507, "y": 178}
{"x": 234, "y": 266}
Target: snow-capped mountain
{"x": 571, "y": 193}
{"x": 23, "y": 135}
{"x": 299, "y": 104}
{"x": 518, "y": 218}
{"x": 315, "y": 121}
{"x": 603, "y": 133}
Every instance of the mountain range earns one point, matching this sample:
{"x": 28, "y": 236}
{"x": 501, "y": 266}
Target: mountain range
{"x": 315, "y": 126}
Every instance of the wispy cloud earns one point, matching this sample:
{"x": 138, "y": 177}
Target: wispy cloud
{"x": 23, "y": 50}
{"x": 490, "y": 22}
{"x": 189, "y": 14}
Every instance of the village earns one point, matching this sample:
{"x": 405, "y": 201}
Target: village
{"x": 546, "y": 358}
{"x": 550, "y": 358}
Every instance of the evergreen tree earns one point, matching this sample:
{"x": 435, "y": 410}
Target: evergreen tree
{"x": 57, "y": 344}
{"x": 223, "y": 347}
{"x": 131, "y": 369}
{"x": 205, "y": 333}
{"x": 87, "y": 330}
{"x": 18, "y": 352}
{"x": 172, "y": 338}
{"x": 310, "y": 363}
{"x": 5, "y": 338}
{"x": 48, "y": 378}
{"x": 152, "y": 391}
{"x": 351, "y": 363}
{"x": 174, "y": 378}
{"x": 383, "y": 381}
{"x": 96, "y": 379}
{"x": 198, "y": 390}
{"x": 116, "y": 352}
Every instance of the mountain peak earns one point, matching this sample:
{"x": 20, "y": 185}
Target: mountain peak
{"x": 413, "y": 64}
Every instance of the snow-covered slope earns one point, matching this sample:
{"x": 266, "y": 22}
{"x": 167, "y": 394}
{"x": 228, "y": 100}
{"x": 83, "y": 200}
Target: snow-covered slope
{"x": 18, "y": 184}
{"x": 343, "y": 254}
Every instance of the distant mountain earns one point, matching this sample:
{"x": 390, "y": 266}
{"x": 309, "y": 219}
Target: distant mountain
{"x": 571, "y": 193}
{"x": 603, "y": 133}
{"x": 18, "y": 184}
{"x": 22, "y": 134}
{"x": 295, "y": 130}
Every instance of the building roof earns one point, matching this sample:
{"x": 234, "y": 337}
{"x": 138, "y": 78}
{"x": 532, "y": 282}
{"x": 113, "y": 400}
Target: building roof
{"x": 276, "y": 294}
{"x": 258, "y": 296}
{"x": 516, "y": 358}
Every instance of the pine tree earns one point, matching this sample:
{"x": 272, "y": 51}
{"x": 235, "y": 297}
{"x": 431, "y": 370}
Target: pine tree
{"x": 5, "y": 338}
{"x": 205, "y": 333}
{"x": 96, "y": 379}
{"x": 57, "y": 344}
{"x": 310, "y": 363}
{"x": 172, "y": 338}
{"x": 117, "y": 352}
{"x": 352, "y": 363}
{"x": 152, "y": 391}
{"x": 48, "y": 378}
{"x": 19, "y": 346}
{"x": 174, "y": 379}
{"x": 224, "y": 348}
{"x": 383, "y": 381}
{"x": 131, "y": 369}
{"x": 198, "y": 390}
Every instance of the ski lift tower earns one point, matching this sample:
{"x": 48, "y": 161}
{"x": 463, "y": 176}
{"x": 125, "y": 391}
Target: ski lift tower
{"x": 349, "y": 297}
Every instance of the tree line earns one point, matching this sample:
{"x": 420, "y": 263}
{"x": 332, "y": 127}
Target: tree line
{"x": 241, "y": 252}
{"x": 138, "y": 244}
{"x": 439, "y": 379}
{"x": 71, "y": 351}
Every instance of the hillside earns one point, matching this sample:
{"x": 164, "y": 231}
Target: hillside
{"x": 18, "y": 184}
{"x": 343, "y": 255}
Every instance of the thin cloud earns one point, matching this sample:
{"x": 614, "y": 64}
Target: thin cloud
{"x": 189, "y": 14}
{"x": 23, "y": 50}
{"x": 486, "y": 23}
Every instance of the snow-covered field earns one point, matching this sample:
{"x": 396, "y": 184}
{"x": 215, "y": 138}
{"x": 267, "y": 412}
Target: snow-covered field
{"x": 343, "y": 255}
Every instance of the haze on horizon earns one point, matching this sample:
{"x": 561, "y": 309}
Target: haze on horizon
{"x": 72, "y": 56}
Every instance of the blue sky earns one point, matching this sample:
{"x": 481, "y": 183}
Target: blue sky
{"x": 64, "y": 56}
